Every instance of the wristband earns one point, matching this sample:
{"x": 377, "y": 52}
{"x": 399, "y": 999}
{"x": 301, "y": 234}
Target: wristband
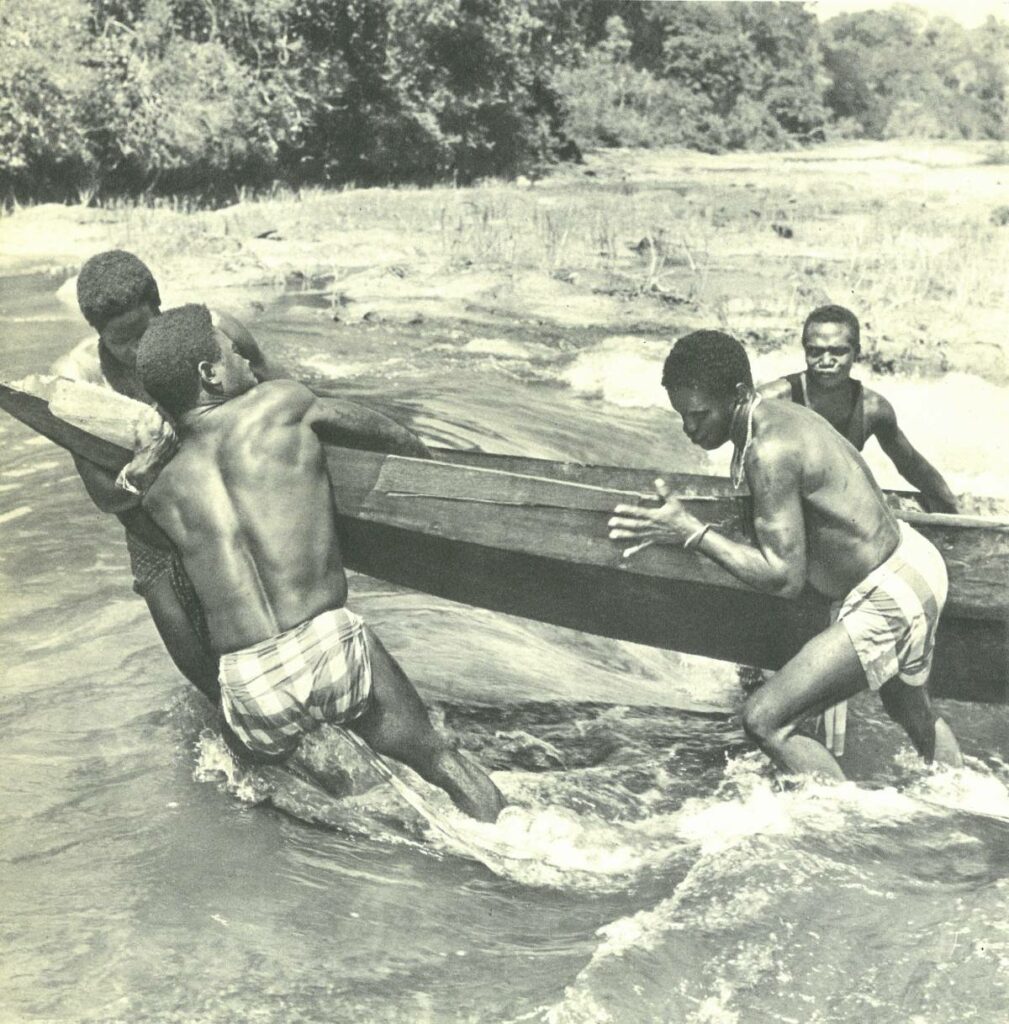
{"x": 696, "y": 537}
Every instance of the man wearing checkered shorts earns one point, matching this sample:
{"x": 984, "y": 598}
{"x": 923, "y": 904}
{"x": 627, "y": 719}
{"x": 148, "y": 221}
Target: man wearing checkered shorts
{"x": 247, "y": 503}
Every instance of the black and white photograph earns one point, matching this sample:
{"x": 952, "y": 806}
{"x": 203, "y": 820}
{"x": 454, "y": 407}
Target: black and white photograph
{"x": 504, "y": 512}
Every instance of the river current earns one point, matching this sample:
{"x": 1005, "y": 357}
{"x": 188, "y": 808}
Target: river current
{"x": 650, "y": 868}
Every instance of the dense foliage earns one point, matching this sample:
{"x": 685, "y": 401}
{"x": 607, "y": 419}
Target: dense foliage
{"x": 108, "y": 97}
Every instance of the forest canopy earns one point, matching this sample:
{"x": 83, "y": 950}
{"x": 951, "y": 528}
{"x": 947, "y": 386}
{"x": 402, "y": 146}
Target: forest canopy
{"x": 131, "y": 97}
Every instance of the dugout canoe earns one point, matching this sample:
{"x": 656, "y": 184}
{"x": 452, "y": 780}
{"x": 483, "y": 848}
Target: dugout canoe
{"x": 529, "y": 537}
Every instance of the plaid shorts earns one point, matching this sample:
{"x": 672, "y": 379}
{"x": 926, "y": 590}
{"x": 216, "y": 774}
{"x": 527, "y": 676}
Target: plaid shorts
{"x": 891, "y": 616}
{"x": 147, "y": 563}
{"x": 276, "y": 691}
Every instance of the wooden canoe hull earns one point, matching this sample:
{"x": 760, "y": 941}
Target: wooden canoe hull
{"x": 529, "y": 538}
{"x": 540, "y": 550}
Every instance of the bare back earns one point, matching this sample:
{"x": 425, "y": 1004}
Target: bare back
{"x": 247, "y": 502}
{"x": 849, "y": 529}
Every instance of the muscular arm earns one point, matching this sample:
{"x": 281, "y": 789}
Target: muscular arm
{"x": 247, "y": 346}
{"x": 910, "y": 463}
{"x": 777, "y": 564}
{"x": 100, "y": 484}
{"x": 349, "y": 425}
{"x": 125, "y": 506}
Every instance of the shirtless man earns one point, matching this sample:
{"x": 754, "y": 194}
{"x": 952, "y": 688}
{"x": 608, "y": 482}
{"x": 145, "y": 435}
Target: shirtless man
{"x": 247, "y": 503}
{"x": 118, "y": 297}
{"x": 831, "y": 341}
{"x": 819, "y": 518}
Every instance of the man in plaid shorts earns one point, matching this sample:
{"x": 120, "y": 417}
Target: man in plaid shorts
{"x": 118, "y": 296}
{"x": 246, "y": 501}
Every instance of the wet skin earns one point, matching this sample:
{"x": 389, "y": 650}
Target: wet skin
{"x": 246, "y": 501}
{"x": 830, "y": 356}
{"x": 248, "y": 504}
{"x": 819, "y": 518}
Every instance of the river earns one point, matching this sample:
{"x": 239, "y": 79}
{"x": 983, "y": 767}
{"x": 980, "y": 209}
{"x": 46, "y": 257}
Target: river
{"x": 650, "y": 868}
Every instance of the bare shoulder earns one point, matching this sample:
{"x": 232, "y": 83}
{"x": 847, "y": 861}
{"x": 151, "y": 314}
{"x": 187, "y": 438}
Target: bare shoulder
{"x": 284, "y": 400}
{"x": 81, "y": 363}
{"x": 779, "y": 442}
{"x": 879, "y": 413}
{"x": 773, "y": 450}
{"x": 779, "y": 388}
{"x": 172, "y": 480}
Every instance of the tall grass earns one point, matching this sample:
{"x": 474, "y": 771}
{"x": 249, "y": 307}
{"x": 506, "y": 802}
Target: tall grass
{"x": 785, "y": 236}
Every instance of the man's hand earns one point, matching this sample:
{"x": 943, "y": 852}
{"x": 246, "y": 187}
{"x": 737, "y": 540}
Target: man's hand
{"x": 939, "y": 503}
{"x": 155, "y": 444}
{"x": 666, "y": 523}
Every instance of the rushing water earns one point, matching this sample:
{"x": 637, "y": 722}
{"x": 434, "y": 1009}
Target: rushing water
{"x": 650, "y": 868}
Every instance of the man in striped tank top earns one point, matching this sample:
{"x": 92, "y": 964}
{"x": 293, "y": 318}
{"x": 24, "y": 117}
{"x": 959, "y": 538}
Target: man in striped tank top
{"x": 819, "y": 519}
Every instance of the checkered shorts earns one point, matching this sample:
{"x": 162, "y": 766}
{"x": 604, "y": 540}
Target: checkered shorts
{"x": 276, "y": 691}
{"x": 891, "y": 616}
{"x": 150, "y": 565}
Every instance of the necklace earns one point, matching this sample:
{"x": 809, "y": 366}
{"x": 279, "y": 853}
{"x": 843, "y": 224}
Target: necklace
{"x": 738, "y": 465}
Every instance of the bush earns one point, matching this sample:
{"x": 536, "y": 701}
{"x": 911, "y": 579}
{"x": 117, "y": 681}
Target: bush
{"x": 43, "y": 146}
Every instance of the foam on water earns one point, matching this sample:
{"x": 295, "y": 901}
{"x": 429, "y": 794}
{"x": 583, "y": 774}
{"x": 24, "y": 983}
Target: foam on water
{"x": 637, "y": 874}
{"x": 623, "y": 370}
{"x": 775, "y": 902}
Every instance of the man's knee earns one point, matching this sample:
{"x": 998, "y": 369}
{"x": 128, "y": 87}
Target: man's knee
{"x": 760, "y": 722}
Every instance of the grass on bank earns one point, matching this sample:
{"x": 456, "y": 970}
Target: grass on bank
{"x": 757, "y": 243}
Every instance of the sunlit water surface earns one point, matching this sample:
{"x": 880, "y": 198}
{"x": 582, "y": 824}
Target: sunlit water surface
{"x": 649, "y": 869}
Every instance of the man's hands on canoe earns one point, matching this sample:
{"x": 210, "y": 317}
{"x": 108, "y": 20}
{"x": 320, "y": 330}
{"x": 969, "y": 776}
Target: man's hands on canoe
{"x": 667, "y": 522}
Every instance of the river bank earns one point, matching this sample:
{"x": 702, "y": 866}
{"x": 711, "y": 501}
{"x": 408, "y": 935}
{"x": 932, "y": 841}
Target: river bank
{"x": 649, "y": 242}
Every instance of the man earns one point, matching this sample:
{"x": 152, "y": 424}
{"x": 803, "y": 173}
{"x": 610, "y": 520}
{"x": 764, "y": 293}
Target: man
{"x": 831, "y": 340}
{"x": 819, "y": 518}
{"x": 118, "y": 297}
{"x": 246, "y": 501}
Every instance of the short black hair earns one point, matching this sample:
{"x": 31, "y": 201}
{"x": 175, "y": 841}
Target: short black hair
{"x": 113, "y": 282}
{"x": 711, "y": 360}
{"x": 836, "y": 315}
{"x": 170, "y": 352}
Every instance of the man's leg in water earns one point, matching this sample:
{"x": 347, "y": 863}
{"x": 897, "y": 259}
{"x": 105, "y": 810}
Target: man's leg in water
{"x": 397, "y": 724}
{"x": 185, "y": 645}
{"x": 825, "y": 671}
{"x": 910, "y": 708}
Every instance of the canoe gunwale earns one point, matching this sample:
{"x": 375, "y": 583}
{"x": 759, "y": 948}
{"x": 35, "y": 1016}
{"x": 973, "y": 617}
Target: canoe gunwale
{"x": 661, "y": 597}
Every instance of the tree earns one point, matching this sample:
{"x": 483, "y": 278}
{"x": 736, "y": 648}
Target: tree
{"x": 900, "y": 72}
{"x": 757, "y": 64}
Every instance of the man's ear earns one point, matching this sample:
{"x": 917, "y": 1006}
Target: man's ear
{"x": 208, "y": 376}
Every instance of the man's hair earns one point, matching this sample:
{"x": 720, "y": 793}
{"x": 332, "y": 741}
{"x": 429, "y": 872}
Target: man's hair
{"x": 711, "y": 360}
{"x": 836, "y": 315}
{"x": 170, "y": 352}
{"x": 111, "y": 283}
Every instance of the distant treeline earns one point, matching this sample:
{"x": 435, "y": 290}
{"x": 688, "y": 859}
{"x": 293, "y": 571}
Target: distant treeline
{"x": 127, "y": 97}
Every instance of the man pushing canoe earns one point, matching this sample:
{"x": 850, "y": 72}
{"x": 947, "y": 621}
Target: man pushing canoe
{"x": 819, "y": 518}
{"x": 118, "y": 296}
{"x": 246, "y": 502}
